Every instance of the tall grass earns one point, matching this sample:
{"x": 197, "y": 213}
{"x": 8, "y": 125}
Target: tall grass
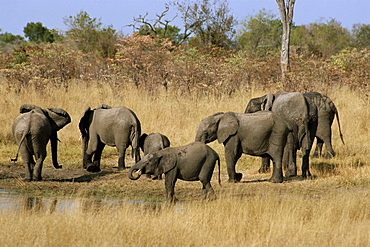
{"x": 262, "y": 218}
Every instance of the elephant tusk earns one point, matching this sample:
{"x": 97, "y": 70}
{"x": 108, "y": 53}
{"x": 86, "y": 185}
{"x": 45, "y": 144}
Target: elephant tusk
{"x": 138, "y": 171}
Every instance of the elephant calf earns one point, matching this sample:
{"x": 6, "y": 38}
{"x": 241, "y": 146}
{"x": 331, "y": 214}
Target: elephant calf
{"x": 192, "y": 162}
{"x": 32, "y": 131}
{"x": 153, "y": 142}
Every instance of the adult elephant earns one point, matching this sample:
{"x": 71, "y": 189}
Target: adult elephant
{"x": 116, "y": 127}
{"x": 151, "y": 143}
{"x": 193, "y": 162}
{"x": 32, "y": 131}
{"x": 301, "y": 114}
{"x": 327, "y": 111}
{"x": 260, "y": 134}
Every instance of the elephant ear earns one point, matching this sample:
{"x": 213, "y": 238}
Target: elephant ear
{"x": 85, "y": 121}
{"x": 167, "y": 163}
{"x": 142, "y": 140}
{"x": 28, "y": 107}
{"x": 58, "y": 117}
{"x": 267, "y": 102}
{"x": 227, "y": 127}
{"x": 103, "y": 106}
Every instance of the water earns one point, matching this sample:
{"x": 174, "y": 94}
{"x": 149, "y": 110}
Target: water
{"x": 11, "y": 202}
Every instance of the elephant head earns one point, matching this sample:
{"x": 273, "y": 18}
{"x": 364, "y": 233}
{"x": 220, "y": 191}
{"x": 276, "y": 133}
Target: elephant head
{"x": 218, "y": 126}
{"x": 154, "y": 164}
{"x": 207, "y": 129}
{"x": 57, "y": 117}
{"x": 263, "y": 103}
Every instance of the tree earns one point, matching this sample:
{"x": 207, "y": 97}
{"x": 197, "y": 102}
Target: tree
{"x": 260, "y": 31}
{"x": 159, "y": 27}
{"x": 210, "y": 22}
{"x": 361, "y": 35}
{"x": 6, "y": 38}
{"x": 286, "y": 14}
{"x": 36, "y": 32}
{"x": 322, "y": 37}
{"x": 90, "y": 35}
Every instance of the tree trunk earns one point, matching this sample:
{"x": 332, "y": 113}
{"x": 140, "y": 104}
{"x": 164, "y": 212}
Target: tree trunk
{"x": 286, "y": 13}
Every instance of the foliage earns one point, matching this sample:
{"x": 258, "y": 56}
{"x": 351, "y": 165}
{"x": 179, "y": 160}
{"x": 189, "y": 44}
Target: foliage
{"x": 210, "y": 22}
{"x": 36, "y": 32}
{"x": 89, "y": 35}
{"x": 260, "y": 33}
{"x": 9, "y": 38}
{"x": 327, "y": 38}
{"x": 361, "y": 36}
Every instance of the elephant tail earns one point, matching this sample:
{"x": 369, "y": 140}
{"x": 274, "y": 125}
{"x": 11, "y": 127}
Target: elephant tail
{"x": 19, "y": 146}
{"x": 340, "y": 131}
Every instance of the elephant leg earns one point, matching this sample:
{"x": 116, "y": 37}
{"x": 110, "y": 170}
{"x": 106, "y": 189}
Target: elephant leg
{"x": 232, "y": 154}
{"x": 277, "y": 172}
{"x": 265, "y": 165}
{"x": 329, "y": 148}
{"x": 121, "y": 159}
{"x": 29, "y": 163}
{"x": 208, "y": 191}
{"x": 95, "y": 150}
{"x": 170, "y": 181}
{"x": 305, "y": 163}
{"x": 318, "y": 148}
{"x": 290, "y": 158}
{"x": 40, "y": 157}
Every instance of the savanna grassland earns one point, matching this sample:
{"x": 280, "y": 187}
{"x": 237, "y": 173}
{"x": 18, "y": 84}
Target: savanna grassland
{"x": 330, "y": 209}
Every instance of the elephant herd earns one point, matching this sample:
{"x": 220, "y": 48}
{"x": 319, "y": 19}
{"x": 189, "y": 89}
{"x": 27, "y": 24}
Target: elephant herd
{"x": 273, "y": 127}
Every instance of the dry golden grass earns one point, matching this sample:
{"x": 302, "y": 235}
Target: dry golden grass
{"x": 332, "y": 209}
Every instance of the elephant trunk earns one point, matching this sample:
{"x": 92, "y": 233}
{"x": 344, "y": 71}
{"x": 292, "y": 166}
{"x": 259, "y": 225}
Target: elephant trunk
{"x": 135, "y": 171}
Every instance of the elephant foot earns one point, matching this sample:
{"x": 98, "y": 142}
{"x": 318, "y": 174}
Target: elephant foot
{"x": 329, "y": 155}
{"x": 28, "y": 179}
{"x": 38, "y": 179}
{"x": 238, "y": 177}
{"x": 93, "y": 169}
{"x": 290, "y": 173}
{"x": 58, "y": 167}
{"x": 121, "y": 168}
{"x": 276, "y": 179}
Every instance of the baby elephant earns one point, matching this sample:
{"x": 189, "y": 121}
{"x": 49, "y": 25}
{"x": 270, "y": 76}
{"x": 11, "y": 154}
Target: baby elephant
{"x": 151, "y": 143}
{"x": 192, "y": 162}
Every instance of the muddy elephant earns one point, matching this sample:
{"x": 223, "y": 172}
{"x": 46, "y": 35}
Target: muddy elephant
{"x": 193, "y": 162}
{"x": 151, "y": 143}
{"x": 261, "y": 134}
{"x": 327, "y": 111}
{"x": 116, "y": 127}
{"x": 32, "y": 130}
{"x": 302, "y": 115}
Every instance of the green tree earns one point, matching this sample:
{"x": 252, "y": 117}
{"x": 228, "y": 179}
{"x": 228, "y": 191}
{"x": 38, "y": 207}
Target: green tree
{"x": 259, "y": 32}
{"x": 210, "y": 22}
{"x": 327, "y": 38}
{"x": 361, "y": 36}
{"x": 36, "y": 32}
{"x": 6, "y": 38}
{"x": 89, "y": 34}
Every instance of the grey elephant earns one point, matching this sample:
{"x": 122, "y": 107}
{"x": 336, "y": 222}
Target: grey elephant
{"x": 32, "y": 130}
{"x": 302, "y": 115}
{"x": 327, "y": 111}
{"x": 153, "y": 142}
{"x": 116, "y": 127}
{"x": 259, "y": 134}
{"x": 193, "y": 162}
